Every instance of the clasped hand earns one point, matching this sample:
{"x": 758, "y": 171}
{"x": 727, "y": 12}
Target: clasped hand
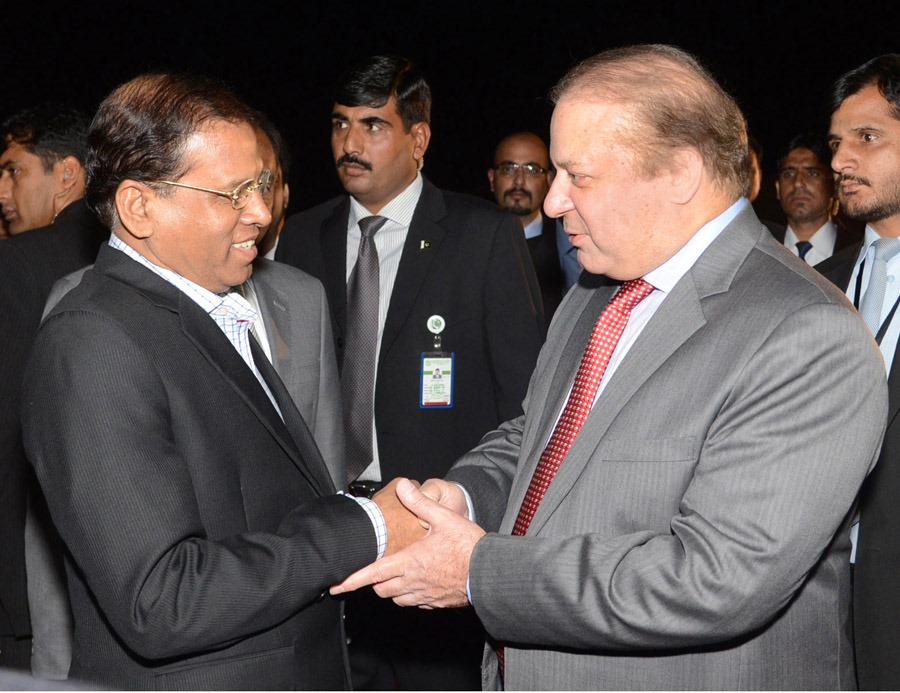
{"x": 432, "y": 569}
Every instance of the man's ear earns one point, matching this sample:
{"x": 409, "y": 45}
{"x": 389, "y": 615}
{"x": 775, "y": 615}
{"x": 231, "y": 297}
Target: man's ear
{"x": 421, "y": 133}
{"x": 777, "y": 190}
{"x": 491, "y": 178}
{"x": 68, "y": 172}
{"x": 686, "y": 174}
{"x": 287, "y": 195}
{"x": 134, "y": 207}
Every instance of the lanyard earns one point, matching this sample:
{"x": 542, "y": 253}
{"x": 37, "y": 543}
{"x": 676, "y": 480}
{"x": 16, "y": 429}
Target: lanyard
{"x": 890, "y": 316}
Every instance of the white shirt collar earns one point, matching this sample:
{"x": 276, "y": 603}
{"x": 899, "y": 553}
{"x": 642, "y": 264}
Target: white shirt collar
{"x": 668, "y": 274}
{"x": 399, "y": 210}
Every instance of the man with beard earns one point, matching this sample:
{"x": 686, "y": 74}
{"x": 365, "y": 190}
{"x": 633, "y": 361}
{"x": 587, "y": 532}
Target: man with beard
{"x": 451, "y": 288}
{"x": 865, "y": 141}
{"x": 805, "y": 189}
{"x": 520, "y": 178}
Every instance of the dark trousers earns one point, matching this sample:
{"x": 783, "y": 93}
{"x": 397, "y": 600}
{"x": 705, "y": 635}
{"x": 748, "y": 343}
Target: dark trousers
{"x": 397, "y": 648}
{"x": 15, "y": 653}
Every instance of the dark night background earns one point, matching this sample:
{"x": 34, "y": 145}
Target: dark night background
{"x": 490, "y": 64}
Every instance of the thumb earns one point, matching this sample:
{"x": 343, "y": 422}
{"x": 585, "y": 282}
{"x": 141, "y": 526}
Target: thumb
{"x": 419, "y": 504}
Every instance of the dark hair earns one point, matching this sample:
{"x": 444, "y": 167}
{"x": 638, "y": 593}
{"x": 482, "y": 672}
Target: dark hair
{"x": 373, "y": 81}
{"x": 279, "y": 146}
{"x": 675, "y": 102}
{"x": 141, "y": 129}
{"x": 882, "y": 72}
{"x": 51, "y": 131}
{"x": 815, "y": 142}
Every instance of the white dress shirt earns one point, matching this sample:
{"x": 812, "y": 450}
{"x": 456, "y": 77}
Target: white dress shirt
{"x": 822, "y": 241}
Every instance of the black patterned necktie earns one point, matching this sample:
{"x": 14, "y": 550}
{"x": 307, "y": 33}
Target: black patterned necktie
{"x": 358, "y": 371}
{"x": 803, "y": 247}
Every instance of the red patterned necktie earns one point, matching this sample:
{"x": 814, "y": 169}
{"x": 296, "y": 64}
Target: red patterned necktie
{"x": 606, "y": 334}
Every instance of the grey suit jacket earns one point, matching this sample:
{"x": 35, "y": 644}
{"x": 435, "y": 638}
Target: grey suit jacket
{"x": 298, "y": 328}
{"x": 696, "y": 535}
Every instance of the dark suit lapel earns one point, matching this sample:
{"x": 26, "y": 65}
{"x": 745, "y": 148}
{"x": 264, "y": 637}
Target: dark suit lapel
{"x": 334, "y": 252}
{"x": 310, "y": 463}
{"x": 422, "y": 245}
{"x": 209, "y": 340}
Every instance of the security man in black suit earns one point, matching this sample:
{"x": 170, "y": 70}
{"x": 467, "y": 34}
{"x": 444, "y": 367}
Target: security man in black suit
{"x": 454, "y": 289}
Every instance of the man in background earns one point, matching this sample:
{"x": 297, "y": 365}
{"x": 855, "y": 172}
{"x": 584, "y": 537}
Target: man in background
{"x": 41, "y": 193}
{"x": 275, "y": 152}
{"x": 865, "y": 140}
{"x": 805, "y": 189}
{"x": 42, "y": 165}
{"x": 417, "y": 278}
{"x": 520, "y": 178}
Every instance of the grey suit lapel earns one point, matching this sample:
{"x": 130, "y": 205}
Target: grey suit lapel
{"x": 677, "y": 318}
{"x": 276, "y": 317}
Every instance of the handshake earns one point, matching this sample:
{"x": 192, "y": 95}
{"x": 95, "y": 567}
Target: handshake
{"x": 429, "y": 546}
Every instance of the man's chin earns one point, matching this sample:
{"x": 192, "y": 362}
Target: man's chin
{"x": 518, "y": 210}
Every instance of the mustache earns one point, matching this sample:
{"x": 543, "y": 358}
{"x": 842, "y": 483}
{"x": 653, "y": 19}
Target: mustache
{"x": 513, "y": 191}
{"x": 841, "y": 177}
{"x": 353, "y": 159}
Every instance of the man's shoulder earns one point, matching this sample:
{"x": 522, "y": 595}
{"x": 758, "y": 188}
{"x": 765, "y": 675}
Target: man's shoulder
{"x": 841, "y": 259}
{"x": 464, "y": 204}
{"x": 63, "y": 246}
{"x": 283, "y": 276}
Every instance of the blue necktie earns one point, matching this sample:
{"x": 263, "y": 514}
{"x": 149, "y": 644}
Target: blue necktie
{"x": 803, "y": 248}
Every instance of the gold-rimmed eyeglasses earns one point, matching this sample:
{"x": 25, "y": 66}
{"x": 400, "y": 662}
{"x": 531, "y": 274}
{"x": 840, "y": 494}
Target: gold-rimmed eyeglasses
{"x": 239, "y": 197}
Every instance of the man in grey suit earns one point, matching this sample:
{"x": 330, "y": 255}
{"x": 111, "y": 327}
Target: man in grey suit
{"x": 695, "y": 535}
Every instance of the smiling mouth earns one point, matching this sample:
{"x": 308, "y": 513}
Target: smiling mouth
{"x": 246, "y": 245}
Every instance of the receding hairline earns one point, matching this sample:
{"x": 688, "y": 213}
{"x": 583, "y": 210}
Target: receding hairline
{"x": 604, "y": 79}
{"x": 524, "y": 135}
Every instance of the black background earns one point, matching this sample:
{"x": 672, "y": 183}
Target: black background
{"x": 490, "y": 64}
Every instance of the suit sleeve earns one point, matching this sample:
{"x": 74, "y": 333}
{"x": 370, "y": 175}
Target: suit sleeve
{"x": 775, "y": 478}
{"x": 98, "y": 429}
{"x": 514, "y": 319}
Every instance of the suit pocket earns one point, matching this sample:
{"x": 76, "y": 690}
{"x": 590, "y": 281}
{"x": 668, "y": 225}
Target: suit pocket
{"x": 273, "y": 670}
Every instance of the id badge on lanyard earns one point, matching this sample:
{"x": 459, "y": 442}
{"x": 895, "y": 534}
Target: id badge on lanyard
{"x": 437, "y": 371}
